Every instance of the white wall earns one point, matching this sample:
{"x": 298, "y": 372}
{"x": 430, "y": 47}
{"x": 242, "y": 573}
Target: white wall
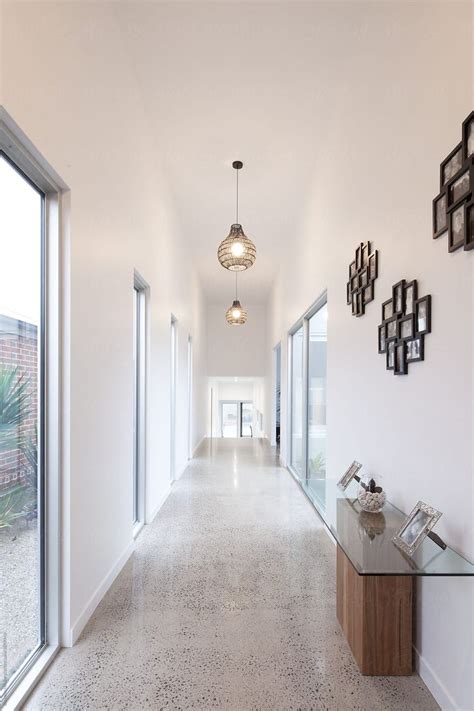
{"x": 236, "y": 350}
{"x": 67, "y": 82}
{"x": 376, "y": 181}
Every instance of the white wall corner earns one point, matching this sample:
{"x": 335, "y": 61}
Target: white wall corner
{"x": 75, "y": 631}
{"x": 434, "y": 684}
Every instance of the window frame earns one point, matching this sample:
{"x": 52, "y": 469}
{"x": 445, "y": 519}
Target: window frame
{"x": 303, "y": 321}
{"x": 140, "y": 376}
{"x": 53, "y": 396}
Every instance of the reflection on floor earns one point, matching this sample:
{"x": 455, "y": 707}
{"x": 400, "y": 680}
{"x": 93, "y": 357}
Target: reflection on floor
{"x": 227, "y": 603}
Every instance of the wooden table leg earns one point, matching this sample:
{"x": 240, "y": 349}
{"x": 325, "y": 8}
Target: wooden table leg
{"x": 376, "y": 615}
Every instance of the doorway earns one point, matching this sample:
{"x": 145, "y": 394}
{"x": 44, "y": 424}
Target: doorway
{"x": 277, "y": 395}
{"x": 139, "y": 400}
{"x": 236, "y": 418}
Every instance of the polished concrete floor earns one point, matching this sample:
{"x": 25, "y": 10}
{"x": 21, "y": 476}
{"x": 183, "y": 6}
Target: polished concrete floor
{"x": 227, "y": 603}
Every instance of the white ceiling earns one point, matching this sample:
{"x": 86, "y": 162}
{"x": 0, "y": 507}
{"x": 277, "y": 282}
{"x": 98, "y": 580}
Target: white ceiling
{"x": 255, "y": 82}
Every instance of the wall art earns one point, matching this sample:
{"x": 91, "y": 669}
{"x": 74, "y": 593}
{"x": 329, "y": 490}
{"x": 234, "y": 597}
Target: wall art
{"x": 363, "y": 272}
{"x": 453, "y": 208}
{"x": 406, "y": 319}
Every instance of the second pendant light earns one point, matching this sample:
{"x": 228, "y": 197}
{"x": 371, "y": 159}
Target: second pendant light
{"x": 236, "y": 315}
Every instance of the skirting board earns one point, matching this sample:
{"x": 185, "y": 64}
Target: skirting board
{"x": 89, "y": 609}
{"x": 434, "y": 684}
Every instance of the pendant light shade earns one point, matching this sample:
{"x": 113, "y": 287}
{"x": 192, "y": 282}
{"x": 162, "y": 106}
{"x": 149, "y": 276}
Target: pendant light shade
{"x": 237, "y": 252}
{"x": 236, "y": 315}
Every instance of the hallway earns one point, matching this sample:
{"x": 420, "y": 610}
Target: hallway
{"x": 228, "y": 602}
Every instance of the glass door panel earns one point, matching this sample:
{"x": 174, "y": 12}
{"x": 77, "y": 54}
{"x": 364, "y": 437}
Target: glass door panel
{"x": 230, "y": 419}
{"x": 317, "y": 401}
{"x": 246, "y": 419}
{"x": 22, "y": 589}
{"x": 297, "y": 402}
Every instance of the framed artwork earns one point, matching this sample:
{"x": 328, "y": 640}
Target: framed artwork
{"x": 416, "y": 527}
{"x": 451, "y": 213}
{"x": 440, "y": 215}
{"x": 406, "y": 319}
{"x": 468, "y": 136}
{"x": 363, "y": 271}
{"x": 348, "y": 476}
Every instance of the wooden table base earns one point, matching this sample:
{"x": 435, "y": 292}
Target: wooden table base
{"x": 376, "y": 615}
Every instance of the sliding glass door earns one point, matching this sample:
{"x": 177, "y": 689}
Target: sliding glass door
{"x": 308, "y": 399}
{"x": 22, "y": 485}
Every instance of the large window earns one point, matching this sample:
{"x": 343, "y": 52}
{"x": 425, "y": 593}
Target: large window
{"x": 297, "y": 402}
{"x": 22, "y": 475}
{"x": 308, "y": 399}
{"x": 139, "y": 400}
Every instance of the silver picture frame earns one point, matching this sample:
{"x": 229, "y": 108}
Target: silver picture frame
{"x": 416, "y": 527}
{"x": 348, "y": 476}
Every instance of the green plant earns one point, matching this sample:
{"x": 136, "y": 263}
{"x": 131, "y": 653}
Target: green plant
{"x": 317, "y": 465}
{"x": 11, "y": 507}
{"x": 14, "y": 401}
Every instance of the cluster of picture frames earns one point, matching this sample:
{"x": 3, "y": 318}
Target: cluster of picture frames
{"x": 406, "y": 319}
{"x": 453, "y": 208}
{"x": 414, "y": 528}
{"x": 363, "y": 272}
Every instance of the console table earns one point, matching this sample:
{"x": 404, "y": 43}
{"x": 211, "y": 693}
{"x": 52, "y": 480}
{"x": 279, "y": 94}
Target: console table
{"x": 375, "y": 579}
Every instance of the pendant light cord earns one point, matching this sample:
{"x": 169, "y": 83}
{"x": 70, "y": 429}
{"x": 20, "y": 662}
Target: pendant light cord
{"x": 236, "y": 286}
{"x": 237, "y": 201}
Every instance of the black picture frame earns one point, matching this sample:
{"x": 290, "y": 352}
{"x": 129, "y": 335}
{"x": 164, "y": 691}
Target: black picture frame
{"x": 456, "y": 238}
{"x": 457, "y": 165}
{"x": 363, "y": 271}
{"x": 410, "y": 286}
{"x": 373, "y": 266}
{"x": 381, "y": 342}
{"x": 419, "y": 302}
{"x": 410, "y": 320}
{"x": 398, "y": 290}
{"x": 469, "y": 242}
{"x": 387, "y": 309}
{"x": 359, "y": 256}
{"x": 364, "y": 277}
{"x": 466, "y": 175}
{"x": 401, "y": 366}
{"x": 411, "y": 346}
{"x": 352, "y": 269}
{"x": 390, "y": 355}
{"x": 368, "y": 293}
{"x": 388, "y": 328}
{"x": 365, "y": 254}
{"x": 468, "y": 136}
{"x": 440, "y": 230}
{"x": 348, "y": 293}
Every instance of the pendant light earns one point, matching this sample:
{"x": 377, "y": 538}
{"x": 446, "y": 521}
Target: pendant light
{"x": 237, "y": 252}
{"x": 236, "y": 315}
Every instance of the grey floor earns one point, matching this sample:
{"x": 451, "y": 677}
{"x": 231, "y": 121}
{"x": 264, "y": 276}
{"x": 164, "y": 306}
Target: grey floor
{"x": 227, "y": 603}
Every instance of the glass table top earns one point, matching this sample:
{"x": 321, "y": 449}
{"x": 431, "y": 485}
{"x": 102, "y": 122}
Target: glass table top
{"x": 366, "y": 538}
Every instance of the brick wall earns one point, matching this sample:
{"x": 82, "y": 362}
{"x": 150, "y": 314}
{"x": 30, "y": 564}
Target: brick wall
{"x": 19, "y": 348}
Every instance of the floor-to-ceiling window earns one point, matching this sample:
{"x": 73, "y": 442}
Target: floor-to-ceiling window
{"x": 173, "y": 379}
{"x": 297, "y": 402}
{"x": 316, "y": 389}
{"x": 22, "y": 472}
{"x": 139, "y": 400}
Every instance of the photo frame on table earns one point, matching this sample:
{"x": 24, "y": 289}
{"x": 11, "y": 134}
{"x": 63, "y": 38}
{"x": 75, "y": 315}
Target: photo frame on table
{"x": 363, "y": 271}
{"x": 451, "y": 211}
{"x": 416, "y": 527}
{"x": 348, "y": 476}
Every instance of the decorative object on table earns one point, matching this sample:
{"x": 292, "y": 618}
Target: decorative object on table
{"x": 237, "y": 252}
{"x": 453, "y": 208}
{"x": 371, "y": 524}
{"x": 406, "y": 319}
{"x": 370, "y": 494}
{"x": 363, "y": 272}
{"x": 349, "y": 475}
{"x": 416, "y": 527}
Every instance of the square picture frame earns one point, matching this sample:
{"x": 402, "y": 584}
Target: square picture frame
{"x": 416, "y": 349}
{"x": 468, "y": 136}
{"x": 423, "y": 315}
{"x": 398, "y": 297}
{"x": 457, "y": 228}
{"x": 348, "y": 475}
{"x": 411, "y": 295}
{"x": 387, "y": 309}
{"x": 407, "y": 327}
{"x": 440, "y": 215}
{"x": 416, "y": 527}
{"x": 451, "y": 165}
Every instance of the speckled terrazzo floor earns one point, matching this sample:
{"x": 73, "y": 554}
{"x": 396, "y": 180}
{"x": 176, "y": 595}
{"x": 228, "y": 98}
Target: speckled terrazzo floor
{"x": 227, "y": 603}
